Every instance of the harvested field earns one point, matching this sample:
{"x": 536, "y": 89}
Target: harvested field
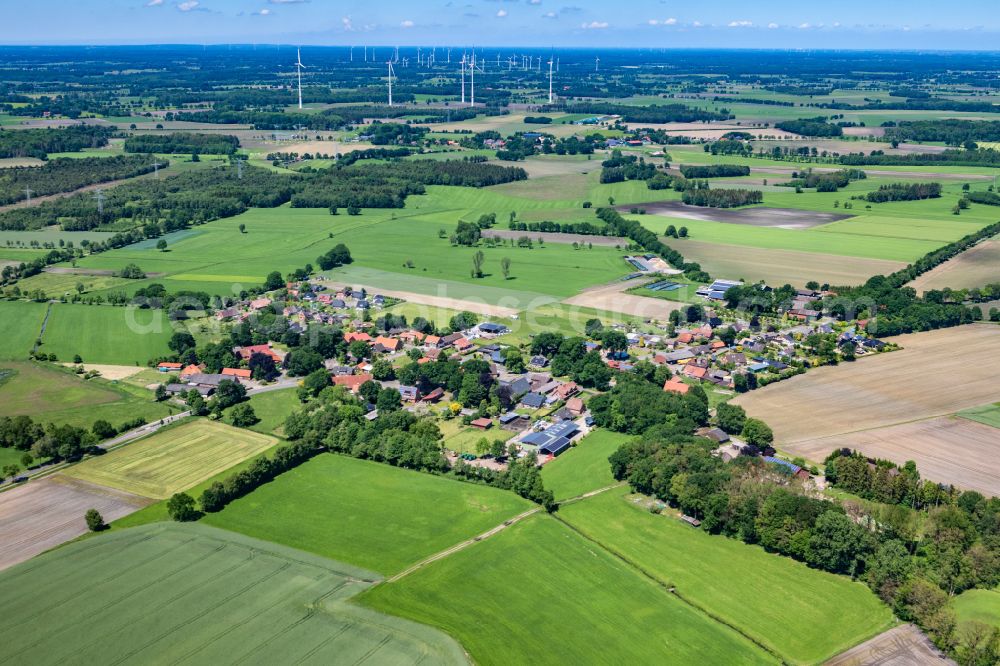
{"x": 44, "y": 514}
{"x": 936, "y": 374}
{"x": 900, "y": 646}
{"x": 778, "y": 266}
{"x": 191, "y": 594}
{"x": 174, "y": 459}
{"x": 783, "y": 218}
{"x": 611, "y": 298}
{"x": 977, "y": 266}
{"x": 947, "y": 449}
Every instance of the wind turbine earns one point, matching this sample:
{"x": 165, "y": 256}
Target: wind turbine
{"x": 597, "y": 64}
{"x": 550, "y": 79}
{"x": 389, "y": 63}
{"x": 239, "y": 168}
{"x": 299, "y": 66}
{"x": 463, "y": 79}
{"x": 156, "y": 170}
{"x": 472, "y": 70}
{"x": 27, "y": 193}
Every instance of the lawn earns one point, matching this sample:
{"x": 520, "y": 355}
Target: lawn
{"x": 375, "y": 516}
{"x": 988, "y": 414}
{"x": 978, "y": 605}
{"x": 584, "y": 467}
{"x": 106, "y": 334}
{"x": 20, "y": 324}
{"x": 537, "y": 593}
{"x": 173, "y": 593}
{"x": 174, "y": 459}
{"x": 464, "y": 439}
{"x": 52, "y": 394}
{"x": 802, "y": 614}
{"x": 272, "y": 408}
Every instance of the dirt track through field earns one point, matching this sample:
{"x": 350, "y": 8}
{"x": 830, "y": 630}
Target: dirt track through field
{"x": 44, "y": 514}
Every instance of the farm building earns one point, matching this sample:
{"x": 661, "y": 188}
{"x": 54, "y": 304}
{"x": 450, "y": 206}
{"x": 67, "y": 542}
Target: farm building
{"x": 554, "y": 440}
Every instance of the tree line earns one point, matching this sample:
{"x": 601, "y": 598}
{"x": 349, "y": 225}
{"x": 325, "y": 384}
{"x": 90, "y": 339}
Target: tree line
{"x": 68, "y": 174}
{"x": 39, "y": 143}
{"x": 811, "y": 127}
{"x": 183, "y": 142}
{"x": 654, "y": 113}
{"x": 714, "y": 170}
{"x": 904, "y": 192}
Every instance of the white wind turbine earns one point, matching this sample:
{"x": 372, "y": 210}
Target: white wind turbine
{"x": 463, "y": 79}
{"x": 389, "y": 63}
{"x": 472, "y": 70}
{"x": 550, "y": 79}
{"x": 299, "y": 67}
{"x": 597, "y": 64}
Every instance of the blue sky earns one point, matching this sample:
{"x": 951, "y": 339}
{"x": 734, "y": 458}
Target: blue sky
{"x": 855, "y": 24}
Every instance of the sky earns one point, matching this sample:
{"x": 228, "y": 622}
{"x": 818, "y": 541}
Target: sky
{"x": 848, "y": 24}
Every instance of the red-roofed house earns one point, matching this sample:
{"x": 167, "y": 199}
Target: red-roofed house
{"x": 566, "y": 390}
{"x": 695, "y": 371}
{"x": 432, "y": 341}
{"x": 169, "y": 367}
{"x": 482, "y": 424}
{"x": 260, "y": 303}
{"x": 351, "y": 382}
{"x": 246, "y": 352}
{"x": 675, "y": 385}
{"x": 354, "y": 336}
{"x": 463, "y": 345}
{"x": 388, "y": 344}
{"x": 192, "y": 370}
{"x": 575, "y": 406}
{"x": 685, "y": 338}
{"x": 242, "y": 373}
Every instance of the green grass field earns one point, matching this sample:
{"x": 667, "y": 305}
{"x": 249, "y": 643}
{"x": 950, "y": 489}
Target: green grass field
{"x": 174, "y": 459}
{"x": 802, "y": 614}
{"x": 988, "y": 414}
{"x": 272, "y": 408}
{"x": 52, "y": 394}
{"x": 538, "y": 593}
{"x": 585, "y": 467}
{"x": 106, "y": 334}
{"x": 188, "y": 593}
{"x": 977, "y": 605}
{"x": 20, "y": 324}
{"x": 376, "y": 516}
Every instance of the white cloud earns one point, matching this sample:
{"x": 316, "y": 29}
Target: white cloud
{"x": 836, "y": 24}
{"x": 697, "y": 24}
{"x": 346, "y": 22}
{"x": 406, "y": 24}
{"x": 188, "y": 5}
{"x": 670, "y": 21}
{"x": 287, "y": 2}
{"x": 773, "y": 26}
{"x": 804, "y": 26}
{"x": 534, "y": 2}
{"x": 741, "y": 24}
{"x": 501, "y": 13}
{"x": 595, "y": 25}
{"x": 154, "y": 3}
{"x": 263, "y": 12}
{"x": 549, "y": 15}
